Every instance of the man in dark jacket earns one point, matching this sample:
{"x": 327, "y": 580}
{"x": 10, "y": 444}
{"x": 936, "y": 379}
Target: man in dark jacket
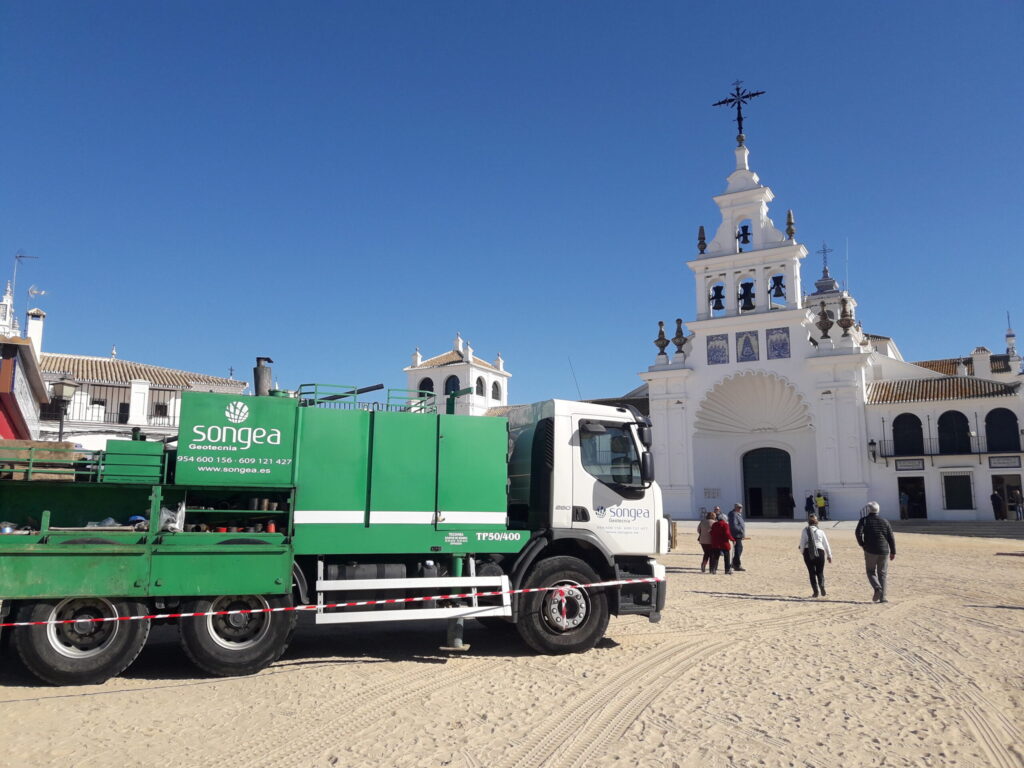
{"x": 738, "y": 529}
{"x": 874, "y": 534}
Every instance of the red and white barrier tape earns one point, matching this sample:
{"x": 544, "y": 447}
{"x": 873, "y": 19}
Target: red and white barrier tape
{"x": 355, "y": 604}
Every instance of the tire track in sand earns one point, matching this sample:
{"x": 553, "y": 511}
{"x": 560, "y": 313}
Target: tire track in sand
{"x": 617, "y": 713}
{"x": 974, "y": 706}
{"x": 622, "y": 684}
{"x": 342, "y": 715}
{"x": 612, "y": 708}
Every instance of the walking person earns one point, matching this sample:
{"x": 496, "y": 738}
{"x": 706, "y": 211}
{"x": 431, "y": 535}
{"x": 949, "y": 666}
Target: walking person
{"x": 1018, "y": 503}
{"x": 822, "y": 504}
{"x": 809, "y": 504}
{"x": 704, "y": 538}
{"x": 904, "y": 505}
{"x": 720, "y": 545}
{"x": 815, "y": 548}
{"x": 738, "y": 529}
{"x": 874, "y": 535}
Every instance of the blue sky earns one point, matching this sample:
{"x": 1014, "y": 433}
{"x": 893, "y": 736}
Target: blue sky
{"x": 334, "y": 183}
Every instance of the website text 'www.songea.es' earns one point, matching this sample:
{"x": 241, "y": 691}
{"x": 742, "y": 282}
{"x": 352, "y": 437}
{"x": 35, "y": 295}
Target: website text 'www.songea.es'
{"x": 236, "y": 470}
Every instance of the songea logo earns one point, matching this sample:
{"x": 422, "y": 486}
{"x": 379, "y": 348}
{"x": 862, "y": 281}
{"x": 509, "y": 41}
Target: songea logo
{"x": 623, "y": 513}
{"x": 236, "y": 412}
{"x": 236, "y": 437}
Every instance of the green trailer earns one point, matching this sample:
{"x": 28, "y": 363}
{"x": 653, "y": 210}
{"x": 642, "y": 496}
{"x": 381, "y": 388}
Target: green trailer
{"x": 317, "y": 498}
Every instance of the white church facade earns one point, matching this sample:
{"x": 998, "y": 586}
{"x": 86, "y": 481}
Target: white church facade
{"x": 776, "y": 393}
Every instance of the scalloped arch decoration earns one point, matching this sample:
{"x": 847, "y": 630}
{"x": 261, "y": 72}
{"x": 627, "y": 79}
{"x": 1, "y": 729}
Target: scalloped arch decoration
{"x": 753, "y": 402}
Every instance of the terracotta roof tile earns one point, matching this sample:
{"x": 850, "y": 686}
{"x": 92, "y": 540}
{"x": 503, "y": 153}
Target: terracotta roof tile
{"x": 452, "y": 357}
{"x": 109, "y": 370}
{"x": 949, "y": 388}
{"x": 947, "y": 367}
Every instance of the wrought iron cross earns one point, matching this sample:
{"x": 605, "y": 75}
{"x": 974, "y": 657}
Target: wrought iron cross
{"x": 738, "y": 98}
{"x": 824, "y": 251}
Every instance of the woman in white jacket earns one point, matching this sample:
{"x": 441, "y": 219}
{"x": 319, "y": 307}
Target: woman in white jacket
{"x": 815, "y": 548}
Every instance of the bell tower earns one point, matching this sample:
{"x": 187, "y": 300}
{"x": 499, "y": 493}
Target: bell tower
{"x": 749, "y": 266}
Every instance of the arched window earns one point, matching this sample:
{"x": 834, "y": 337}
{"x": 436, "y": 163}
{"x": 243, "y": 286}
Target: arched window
{"x": 1002, "y": 431}
{"x": 426, "y": 385}
{"x": 451, "y": 384}
{"x": 495, "y": 391}
{"x": 907, "y": 436}
{"x": 481, "y": 388}
{"x": 954, "y": 433}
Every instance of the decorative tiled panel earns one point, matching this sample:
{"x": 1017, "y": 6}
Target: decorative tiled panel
{"x": 777, "y": 341}
{"x": 746, "y": 346}
{"x": 718, "y": 348}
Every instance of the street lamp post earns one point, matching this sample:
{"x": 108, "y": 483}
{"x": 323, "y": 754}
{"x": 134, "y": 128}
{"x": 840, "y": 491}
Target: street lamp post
{"x": 63, "y": 389}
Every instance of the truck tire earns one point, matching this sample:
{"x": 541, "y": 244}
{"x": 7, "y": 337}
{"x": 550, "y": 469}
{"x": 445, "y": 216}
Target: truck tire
{"x": 236, "y": 644}
{"x": 85, "y": 652}
{"x": 549, "y": 626}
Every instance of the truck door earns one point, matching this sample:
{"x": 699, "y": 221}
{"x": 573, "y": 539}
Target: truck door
{"x": 472, "y": 473}
{"x": 609, "y": 496}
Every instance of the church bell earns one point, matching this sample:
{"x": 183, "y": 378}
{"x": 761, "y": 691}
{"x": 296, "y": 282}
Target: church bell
{"x": 777, "y": 288}
{"x": 747, "y": 297}
{"x": 717, "y": 297}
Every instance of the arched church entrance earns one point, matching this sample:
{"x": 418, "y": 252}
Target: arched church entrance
{"x": 768, "y": 483}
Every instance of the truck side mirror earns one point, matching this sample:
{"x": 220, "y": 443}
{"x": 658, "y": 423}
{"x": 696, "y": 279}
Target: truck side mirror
{"x": 647, "y": 467}
{"x": 645, "y": 435}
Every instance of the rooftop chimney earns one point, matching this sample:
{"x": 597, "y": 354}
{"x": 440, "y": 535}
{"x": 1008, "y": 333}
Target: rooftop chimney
{"x": 982, "y": 359}
{"x": 34, "y": 330}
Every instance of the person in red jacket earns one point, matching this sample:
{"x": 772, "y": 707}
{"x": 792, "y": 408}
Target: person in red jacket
{"x": 721, "y": 537}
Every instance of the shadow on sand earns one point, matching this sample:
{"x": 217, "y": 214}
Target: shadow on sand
{"x": 781, "y": 598}
{"x": 163, "y": 659}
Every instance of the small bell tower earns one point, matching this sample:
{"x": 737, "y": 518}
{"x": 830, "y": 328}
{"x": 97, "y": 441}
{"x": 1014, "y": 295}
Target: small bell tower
{"x": 8, "y": 322}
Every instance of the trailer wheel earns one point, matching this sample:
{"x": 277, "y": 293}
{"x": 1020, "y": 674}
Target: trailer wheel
{"x": 82, "y": 651}
{"x": 570, "y": 619}
{"x": 237, "y": 643}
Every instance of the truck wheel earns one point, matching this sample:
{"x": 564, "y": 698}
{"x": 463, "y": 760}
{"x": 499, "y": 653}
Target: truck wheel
{"x": 567, "y": 620}
{"x": 82, "y": 652}
{"x": 239, "y": 643}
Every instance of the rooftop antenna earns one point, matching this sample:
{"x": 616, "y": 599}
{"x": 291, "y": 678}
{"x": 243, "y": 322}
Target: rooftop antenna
{"x": 33, "y": 292}
{"x": 18, "y": 257}
{"x": 573, "y": 371}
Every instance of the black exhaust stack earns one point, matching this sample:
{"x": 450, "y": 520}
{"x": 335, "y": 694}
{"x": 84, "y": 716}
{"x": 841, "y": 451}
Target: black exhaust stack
{"x": 262, "y": 377}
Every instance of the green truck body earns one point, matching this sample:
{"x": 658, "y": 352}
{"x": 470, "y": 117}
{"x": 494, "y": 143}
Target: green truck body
{"x": 318, "y": 498}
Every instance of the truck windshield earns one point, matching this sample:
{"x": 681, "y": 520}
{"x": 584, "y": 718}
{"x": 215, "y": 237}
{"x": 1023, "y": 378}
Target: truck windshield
{"x": 609, "y": 453}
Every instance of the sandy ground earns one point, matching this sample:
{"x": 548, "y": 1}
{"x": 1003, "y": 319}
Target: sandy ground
{"x": 743, "y": 670}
